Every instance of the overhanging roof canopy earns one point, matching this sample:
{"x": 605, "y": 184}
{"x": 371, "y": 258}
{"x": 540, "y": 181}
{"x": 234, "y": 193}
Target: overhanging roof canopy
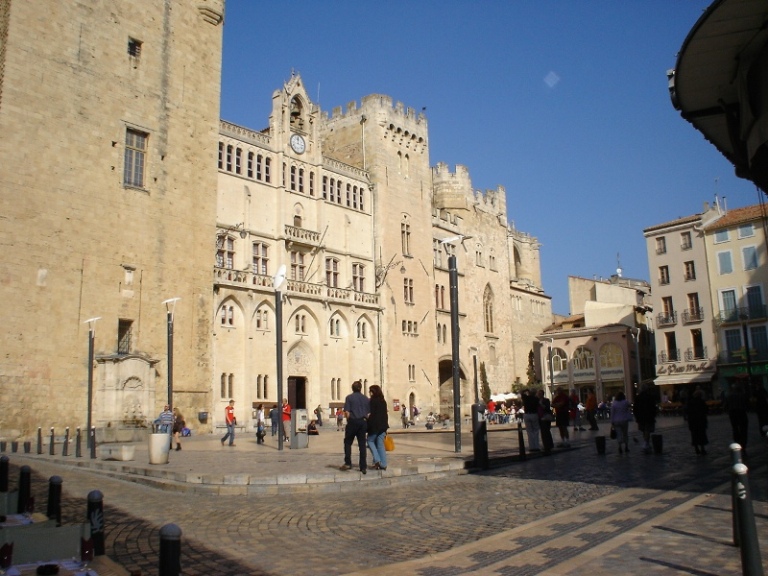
{"x": 720, "y": 83}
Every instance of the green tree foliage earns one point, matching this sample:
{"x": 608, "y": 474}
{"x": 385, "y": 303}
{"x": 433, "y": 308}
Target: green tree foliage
{"x": 531, "y": 372}
{"x": 485, "y": 388}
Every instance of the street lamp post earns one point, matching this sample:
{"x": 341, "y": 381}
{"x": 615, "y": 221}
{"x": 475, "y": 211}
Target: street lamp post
{"x": 551, "y": 369}
{"x": 636, "y": 337}
{"x": 453, "y": 276}
{"x": 277, "y": 282}
{"x": 91, "y": 337}
{"x": 744, "y": 318}
{"x": 170, "y": 305}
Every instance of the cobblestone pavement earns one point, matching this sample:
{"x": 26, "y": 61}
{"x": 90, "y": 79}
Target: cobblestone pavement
{"x": 572, "y": 513}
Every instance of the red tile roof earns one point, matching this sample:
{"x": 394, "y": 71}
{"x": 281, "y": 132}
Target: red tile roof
{"x": 739, "y": 216}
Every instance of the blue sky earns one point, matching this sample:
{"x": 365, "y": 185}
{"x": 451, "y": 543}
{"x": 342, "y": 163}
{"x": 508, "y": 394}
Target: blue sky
{"x": 564, "y": 103}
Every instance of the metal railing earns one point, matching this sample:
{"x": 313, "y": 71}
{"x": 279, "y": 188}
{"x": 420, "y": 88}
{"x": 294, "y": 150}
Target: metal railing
{"x": 696, "y": 353}
{"x": 742, "y": 314}
{"x": 668, "y": 319}
{"x": 669, "y": 356}
{"x": 693, "y": 315}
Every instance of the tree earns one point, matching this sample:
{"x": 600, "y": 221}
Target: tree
{"x": 485, "y": 388}
{"x": 531, "y": 372}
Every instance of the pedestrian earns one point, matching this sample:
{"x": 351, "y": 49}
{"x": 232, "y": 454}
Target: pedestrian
{"x": 178, "y": 426}
{"x": 545, "y": 422}
{"x": 531, "y": 418}
{"x": 431, "y": 421}
{"x": 274, "y": 418}
{"x": 404, "y": 416}
{"x": 378, "y": 423}
{"x": 697, "y": 421}
{"x": 621, "y": 414}
{"x": 761, "y": 406}
{"x": 590, "y": 406}
{"x": 319, "y": 414}
{"x": 286, "y": 412}
{"x": 645, "y": 410}
{"x": 574, "y": 410}
{"x": 356, "y": 409}
{"x": 736, "y": 404}
{"x": 231, "y": 422}
{"x": 261, "y": 425}
{"x": 560, "y": 404}
{"x": 339, "y": 419}
{"x": 164, "y": 421}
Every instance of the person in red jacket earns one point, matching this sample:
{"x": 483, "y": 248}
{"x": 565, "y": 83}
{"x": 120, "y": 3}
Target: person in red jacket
{"x": 231, "y": 421}
{"x": 286, "y": 420}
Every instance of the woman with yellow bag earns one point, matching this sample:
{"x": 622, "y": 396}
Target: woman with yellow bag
{"x": 378, "y": 423}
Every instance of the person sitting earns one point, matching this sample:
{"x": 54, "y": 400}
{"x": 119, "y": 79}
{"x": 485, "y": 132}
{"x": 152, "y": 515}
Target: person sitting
{"x": 431, "y": 421}
{"x": 312, "y": 429}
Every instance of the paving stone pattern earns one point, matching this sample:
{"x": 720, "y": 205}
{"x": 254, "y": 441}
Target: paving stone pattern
{"x": 572, "y": 513}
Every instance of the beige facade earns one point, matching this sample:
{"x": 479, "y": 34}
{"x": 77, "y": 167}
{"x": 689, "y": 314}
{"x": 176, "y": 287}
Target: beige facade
{"x": 606, "y": 346}
{"x": 370, "y": 215}
{"x": 109, "y": 115}
{"x": 683, "y": 314}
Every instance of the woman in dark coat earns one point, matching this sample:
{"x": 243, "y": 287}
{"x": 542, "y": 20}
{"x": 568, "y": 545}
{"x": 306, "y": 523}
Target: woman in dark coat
{"x": 378, "y": 423}
{"x": 697, "y": 421}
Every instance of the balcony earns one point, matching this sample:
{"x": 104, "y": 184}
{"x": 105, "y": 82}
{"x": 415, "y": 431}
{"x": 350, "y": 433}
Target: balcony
{"x": 693, "y": 315}
{"x": 302, "y": 236}
{"x": 738, "y": 356}
{"x": 666, "y": 319}
{"x": 696, "y": 354}
{"x": 669, "y": 356}
{"x": 735, "y": 315}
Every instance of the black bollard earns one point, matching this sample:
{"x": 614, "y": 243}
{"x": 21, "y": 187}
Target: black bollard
{"x": 93, "y": 442}
{"x": 52, "y": 447}
{"x": 4, "y": 473}
{"x": 520, "y": 440}
{"x": 3, "y": 445}
{"x": 14, "y": 446}
{"x": 65, "y": 448}
{"x": 170, "y": 550}
{"x": 25, "y": 493}
{"x": 27, "y": 446}
{"x": 39, "y": 440}
{"x": 600, "y": 444}
{"x": 751, "y": 564}
{"x": 78, "y": 439}
{"x": 735, "y": 459}
{"x": 480, "y": 436}
{"x": 54, "y": 499}
{"x": 96, "y": 518}
{"x": 657, "y": 441}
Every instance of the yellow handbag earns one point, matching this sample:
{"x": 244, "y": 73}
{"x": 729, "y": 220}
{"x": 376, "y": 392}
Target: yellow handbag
{"x": 389, "y": 443}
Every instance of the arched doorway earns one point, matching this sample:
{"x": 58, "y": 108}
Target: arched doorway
{"x": 445, "y": 371}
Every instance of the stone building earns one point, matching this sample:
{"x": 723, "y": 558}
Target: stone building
{"x": 121, "y": 188}
{"x": 109, "y": 117}
{"x": 349, "y": 204}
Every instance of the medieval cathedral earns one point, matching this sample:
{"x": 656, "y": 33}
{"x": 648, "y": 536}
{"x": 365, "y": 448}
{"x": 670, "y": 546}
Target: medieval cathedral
{"x": 138, "y": 222}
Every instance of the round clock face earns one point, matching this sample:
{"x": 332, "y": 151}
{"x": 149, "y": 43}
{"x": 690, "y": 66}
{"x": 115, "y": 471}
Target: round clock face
{"x": 297, "y": 143}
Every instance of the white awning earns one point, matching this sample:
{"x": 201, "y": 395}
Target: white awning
{"x": 684, "y": 379}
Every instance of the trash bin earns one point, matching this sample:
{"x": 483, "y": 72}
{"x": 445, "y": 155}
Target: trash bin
{"x": 159, "y": 447}
{"x": 600, "y": 444}
{"x": 299, "y": 424}
{"x": 203, "y": 417}
{"x": 657, "y": 441}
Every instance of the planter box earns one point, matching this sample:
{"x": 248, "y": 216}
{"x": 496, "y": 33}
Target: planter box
{"x": 123, "y": 453}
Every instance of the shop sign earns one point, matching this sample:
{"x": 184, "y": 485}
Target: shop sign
{"x": 583, "y": 375}
{"x": 706, "y": 366}
{"x": 612, "y": 373}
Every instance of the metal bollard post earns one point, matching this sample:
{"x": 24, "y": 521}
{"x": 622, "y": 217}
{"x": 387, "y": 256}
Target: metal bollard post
{"x": 27, "y": 446}
{"x": 39, "y": 440}
{"x": 78, "y": 439}
{"x": 96, "y": 518}
{"x": 3, "y": 445}
{"x": 25, "y": 493}
{"x": 479, "y": 436}
{"x": 65, "y": 449}
{"x": 52, "y": 448}
{"x": 735, "y": 459}
{"x": 4, "y": 473}
{"x": 170, "y": 550}
{"x": 751, "y": 564}
{"x": 14, "y": 446}
{"x": 54, "y": 499}
{"x": 93, "y": 442}
{"x": 520, "y": 441}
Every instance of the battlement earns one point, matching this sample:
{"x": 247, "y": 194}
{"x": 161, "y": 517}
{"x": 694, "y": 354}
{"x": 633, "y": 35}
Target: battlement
{"x": 454, "y": 190}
